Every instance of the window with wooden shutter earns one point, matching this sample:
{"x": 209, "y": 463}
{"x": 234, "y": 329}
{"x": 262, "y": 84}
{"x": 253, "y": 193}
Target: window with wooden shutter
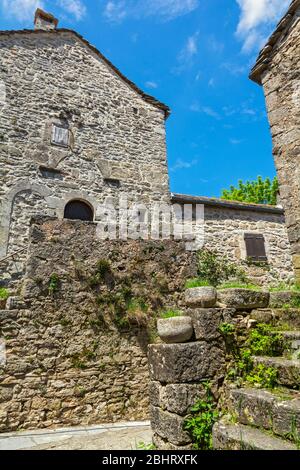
{"x": 255, "y": 247}
{"x": 60, "y": 136}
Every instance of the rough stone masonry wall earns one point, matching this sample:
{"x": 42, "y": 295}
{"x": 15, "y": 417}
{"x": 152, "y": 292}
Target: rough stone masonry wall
{"x": 281, "y": 82}
{"x": 76, "y": 353}
{"x": 224, "y": 231}
{"x": 114, "y": 133}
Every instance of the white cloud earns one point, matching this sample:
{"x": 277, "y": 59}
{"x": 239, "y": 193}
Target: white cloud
{"x": 196, "y": 108}
{"x": 235, "y": 141}
{"x": 190, "y": 49}
{"x": 75, "y": 7}
{"x": 183, "y": 164}
{"x": 117, "y": 10}
{"x": 152, "y": 85}
{"x": 257, "y": 20}
{"x": 22, "y": 10}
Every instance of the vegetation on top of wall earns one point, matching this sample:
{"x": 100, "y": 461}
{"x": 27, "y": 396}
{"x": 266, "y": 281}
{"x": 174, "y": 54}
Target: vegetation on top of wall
{"x": 190, "y": 283}
{"x": 199, "y": 423}
{"x": 215, "y": 270}
{"x": 285, "y": 287}
{"x": 239, "y": 285}
{"x": 171, "y": 314}
{"x": 260, "y": 191}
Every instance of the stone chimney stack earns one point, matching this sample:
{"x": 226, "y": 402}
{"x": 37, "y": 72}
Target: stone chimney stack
{"x": 45, "y": 21}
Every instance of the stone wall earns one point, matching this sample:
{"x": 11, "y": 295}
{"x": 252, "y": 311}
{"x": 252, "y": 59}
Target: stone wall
{"x": 224, "y": 231}
{"x": 209, "y": 363}
{"x": 281, "y": 82}
{"x": 76, "y": 341}
{"x": 117, "y": 138}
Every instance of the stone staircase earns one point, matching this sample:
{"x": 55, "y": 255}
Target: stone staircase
{"x": 261, "y": 419}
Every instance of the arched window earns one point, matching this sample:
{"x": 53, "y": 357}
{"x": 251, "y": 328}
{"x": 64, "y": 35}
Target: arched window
{"x": 79, "y": 210}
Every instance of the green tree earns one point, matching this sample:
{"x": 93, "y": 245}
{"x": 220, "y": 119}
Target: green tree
{"x": 258, "y": 192}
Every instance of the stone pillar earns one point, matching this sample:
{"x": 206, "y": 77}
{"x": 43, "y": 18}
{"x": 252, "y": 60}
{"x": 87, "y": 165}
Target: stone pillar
{"x": 277, "y": 69}
{"x": 178, "y": 373}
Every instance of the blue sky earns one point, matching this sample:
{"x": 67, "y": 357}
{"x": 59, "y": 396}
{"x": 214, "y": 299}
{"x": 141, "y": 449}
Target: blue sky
{"x": 194, "y": 55}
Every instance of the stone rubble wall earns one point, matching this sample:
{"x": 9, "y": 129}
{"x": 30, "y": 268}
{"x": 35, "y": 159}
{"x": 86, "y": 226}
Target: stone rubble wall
{"x": 68, "y": 360}
{"x": 224, "y": 231}
{"x": 281, "y": 82}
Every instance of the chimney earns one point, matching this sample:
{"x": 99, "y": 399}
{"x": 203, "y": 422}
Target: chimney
{"x": 44, "y": 21}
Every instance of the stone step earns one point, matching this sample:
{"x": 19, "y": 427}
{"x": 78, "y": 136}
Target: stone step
{"x": 287, "y": 317}
{"x": 278, "y": 410}
{"x": 291, "y": 343}
{"x": 241, "y": 437}
{"x": 288, "y": 370}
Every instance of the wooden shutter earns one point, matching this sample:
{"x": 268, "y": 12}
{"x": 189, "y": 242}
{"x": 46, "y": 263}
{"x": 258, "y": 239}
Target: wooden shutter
{"x": 60, "y": 136}
{"x": 255, "y": 247}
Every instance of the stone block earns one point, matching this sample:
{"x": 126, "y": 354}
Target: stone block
{"x": 203, "y": 297}
{"x": 163, "y": 444}
{"x": 286, "y": 418}
{"x": 243, "y": 298}
{"x": 206, "y": 322}
{"x": 154, "y": 393}
{"x": 179, "y": 398}
{"x": 175, "y": 330}
{"x": 262, "y": 315}
{"x": 185, "y": 363}
{"x": 279, "y": 299}
{"x": 253, "y": 407}
{"x": 169, "y": 426}
{"x": 15, "y": 303}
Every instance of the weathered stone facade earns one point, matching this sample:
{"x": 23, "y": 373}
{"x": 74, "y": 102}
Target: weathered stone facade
{"x": 116, "y": 133}
{"x": 76, "y": 342}
{"x": 277, "y": 69}
{"x": 225, "y": 224}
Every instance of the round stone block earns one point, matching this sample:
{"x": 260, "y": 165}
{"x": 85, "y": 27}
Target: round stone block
{"x": 175, "y": 330}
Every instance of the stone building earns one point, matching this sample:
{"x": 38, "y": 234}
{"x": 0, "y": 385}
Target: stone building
{"x": 278, "y": 70}
{"x": 75, "y": 132}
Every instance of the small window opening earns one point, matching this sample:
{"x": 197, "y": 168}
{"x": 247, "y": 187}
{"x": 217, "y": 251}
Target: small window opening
{"x": 79, "y": 210}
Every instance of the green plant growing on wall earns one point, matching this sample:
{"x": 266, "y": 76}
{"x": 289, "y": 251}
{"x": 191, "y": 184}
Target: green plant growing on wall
{"x": 227, "y": 329}
{"x": 190, "y": 283}
{"x": 199, "y": 423}
{"x": 260, "y": 191}
{"x": 263, "y": 376}
{"x": 216, "y": 269}
{"x": 263, "y": 341}
{"x": 53, "y": 283}
{"x": 4, "y": 294}
{"x": 102, "y": 274}
{"x": 170, "y": 314}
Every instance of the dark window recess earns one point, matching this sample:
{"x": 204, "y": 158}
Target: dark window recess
{"x": 79, "y": 210}
{"x": 255, "y": 247}
{"x": 51, "y": 173}
{"x": 112, "y": 182}
{"x": 142, "y": 216}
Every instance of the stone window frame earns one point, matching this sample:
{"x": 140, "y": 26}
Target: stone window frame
{"x": 47, "y": 135}
{"x": 85, "y": 202}
{"x": 59, "y": 126}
